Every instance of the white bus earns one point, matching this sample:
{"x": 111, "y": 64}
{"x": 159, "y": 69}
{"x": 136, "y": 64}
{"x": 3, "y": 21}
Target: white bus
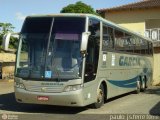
{"x": 78, "y": 60}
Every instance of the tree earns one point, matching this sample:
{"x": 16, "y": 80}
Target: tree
{"x": 78, "y": 7}
{"x": 5, "y": 28}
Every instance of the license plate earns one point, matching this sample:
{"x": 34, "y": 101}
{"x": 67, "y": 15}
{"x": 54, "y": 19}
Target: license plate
{"x": 43, "y": 98}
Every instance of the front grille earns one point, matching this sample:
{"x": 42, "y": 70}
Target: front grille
{"x": 46, "y": 89}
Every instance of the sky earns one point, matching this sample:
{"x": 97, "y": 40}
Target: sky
{"x": 15, "y": 11}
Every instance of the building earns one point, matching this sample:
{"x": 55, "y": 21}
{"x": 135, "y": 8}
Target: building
{"x": 142, "y": 17}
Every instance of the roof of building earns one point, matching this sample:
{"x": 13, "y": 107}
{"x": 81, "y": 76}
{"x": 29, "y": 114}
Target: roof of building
{"x": 136, "y": 5}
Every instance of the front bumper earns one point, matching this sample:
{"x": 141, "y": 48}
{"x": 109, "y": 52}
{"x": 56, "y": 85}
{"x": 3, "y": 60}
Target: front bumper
{"x": 72, "y": 98}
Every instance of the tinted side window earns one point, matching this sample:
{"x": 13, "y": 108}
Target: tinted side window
{"x": 35, "y": 25}
{"x": 119, "y": 41}
{"x": 137, "y": 45}
{"x": 108, "y": 38}
{"x": 150, "y": 48}
{"x": 144, "y": 46}
{"x": 129, "y": 43}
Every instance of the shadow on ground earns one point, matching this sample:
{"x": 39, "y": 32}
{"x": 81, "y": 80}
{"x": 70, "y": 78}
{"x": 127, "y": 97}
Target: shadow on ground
{"x": 155, "y": 109}
{"x": 8, "y": 103}
{"x": 153, "y": 90}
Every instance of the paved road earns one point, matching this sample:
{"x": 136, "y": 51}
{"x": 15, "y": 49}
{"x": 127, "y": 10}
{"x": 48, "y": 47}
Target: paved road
{"x": 143, "y": 103}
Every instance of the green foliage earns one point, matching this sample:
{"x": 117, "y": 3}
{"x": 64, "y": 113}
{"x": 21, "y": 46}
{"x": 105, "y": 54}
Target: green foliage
{"x": 5, "y": 28}
{"x": 78, "y": 7}
{"x": 13, "y": 44}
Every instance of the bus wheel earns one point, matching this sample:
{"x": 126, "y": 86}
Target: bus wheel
{"x": 100, "y": 97}
{"x": 143, "y": 84}
{"x": 138, "y": 88}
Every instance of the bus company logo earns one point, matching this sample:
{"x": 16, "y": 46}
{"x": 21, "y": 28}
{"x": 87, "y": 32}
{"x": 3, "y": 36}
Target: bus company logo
{"x": 129, "y": 61}
{"x": 4, "y": 116}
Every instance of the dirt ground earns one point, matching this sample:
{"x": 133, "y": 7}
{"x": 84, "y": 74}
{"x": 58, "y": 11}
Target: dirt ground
{"x": 7, "y": 57}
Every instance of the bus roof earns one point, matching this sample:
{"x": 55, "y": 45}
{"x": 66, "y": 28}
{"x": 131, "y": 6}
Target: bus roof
{"x": 114, "y": 25}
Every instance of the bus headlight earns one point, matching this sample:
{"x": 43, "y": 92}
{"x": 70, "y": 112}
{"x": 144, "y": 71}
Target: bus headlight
{"x": 19, "y": 85}
{"x": 73, "y": 88}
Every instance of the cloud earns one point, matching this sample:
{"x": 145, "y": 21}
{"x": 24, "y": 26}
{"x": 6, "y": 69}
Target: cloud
{"x": 20, "y": 16}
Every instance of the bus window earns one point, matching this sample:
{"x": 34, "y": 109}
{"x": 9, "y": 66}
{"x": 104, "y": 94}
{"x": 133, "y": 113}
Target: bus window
{"x": 150, "y": 48}
{"x": 119, "y": 40}
{"x": 147, "y": 51}
{"x": 24, "y": 56}
{"x": 92, "y": 50}
{"x": 137, "y": 45}
{"x": 144, "y": 46}
{"x": 33, "y": 47}
{"x": 129, "y": 43}
{"x": 108, "y": 39}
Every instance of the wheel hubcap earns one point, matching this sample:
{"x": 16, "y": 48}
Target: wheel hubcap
{"x": 143, "y": 84}
{"x": 138, "y": 85}
{"x": 100, "y": 96}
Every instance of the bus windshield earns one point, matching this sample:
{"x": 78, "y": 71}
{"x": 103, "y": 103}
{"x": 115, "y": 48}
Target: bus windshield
{"x": 49, "y": 48}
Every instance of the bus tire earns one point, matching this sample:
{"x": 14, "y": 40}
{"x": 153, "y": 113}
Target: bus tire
{"x": 138, "y": 87}
{"x": 100, "y": 97}
{"x": 143, "y": 84}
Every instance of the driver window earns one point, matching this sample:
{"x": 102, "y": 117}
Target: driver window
{"x": 92, "y": 50}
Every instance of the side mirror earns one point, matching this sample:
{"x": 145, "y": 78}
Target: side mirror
{"x": 6, "y": 39}
{"x": 84, "y": 42}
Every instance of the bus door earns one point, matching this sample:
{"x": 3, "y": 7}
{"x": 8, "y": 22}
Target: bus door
{"x": 92, "y": 50}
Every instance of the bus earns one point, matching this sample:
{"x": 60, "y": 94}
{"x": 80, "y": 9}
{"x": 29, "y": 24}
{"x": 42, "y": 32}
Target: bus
{"x": 79, "y": 60}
